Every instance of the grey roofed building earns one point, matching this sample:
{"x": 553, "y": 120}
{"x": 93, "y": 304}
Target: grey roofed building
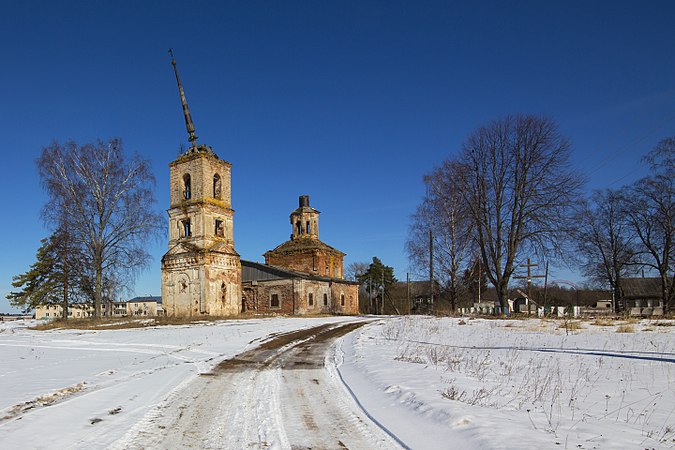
{"x": 641, "y": 288}
{"x": 642, "y": 296}
{"x": 253, "y": 271}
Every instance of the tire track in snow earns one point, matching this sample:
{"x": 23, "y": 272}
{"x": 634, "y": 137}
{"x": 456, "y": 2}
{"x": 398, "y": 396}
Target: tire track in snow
{"x": 278, "y": 395}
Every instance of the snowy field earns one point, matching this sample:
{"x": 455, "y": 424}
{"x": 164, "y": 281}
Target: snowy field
{"x": 460, "y": 383}
{"x": 430, "y": 383}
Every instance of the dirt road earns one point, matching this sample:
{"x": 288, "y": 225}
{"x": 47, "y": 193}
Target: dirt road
{"x": 282, "y": 394}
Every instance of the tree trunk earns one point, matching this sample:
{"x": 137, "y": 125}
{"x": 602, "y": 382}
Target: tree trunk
{"x": 98, "y": 287}
{"x": 502, "y": 294}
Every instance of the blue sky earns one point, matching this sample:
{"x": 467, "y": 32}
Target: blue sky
{"x": 348, "y": 102}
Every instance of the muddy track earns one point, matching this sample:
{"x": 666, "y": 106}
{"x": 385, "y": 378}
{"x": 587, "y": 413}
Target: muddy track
{"x": 279, "y": 394}
{"x": 269, "y": 353}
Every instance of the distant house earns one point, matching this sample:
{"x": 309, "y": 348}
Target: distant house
{"x": 603, "y": 304}
{"x": 642, "y": 296}
{"x": 136, "y": 307}
{"x": 145, "y": 306}
{"x": 55, "y": 311}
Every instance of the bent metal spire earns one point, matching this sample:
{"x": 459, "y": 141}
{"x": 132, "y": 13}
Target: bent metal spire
{"x": 186, "y": 111}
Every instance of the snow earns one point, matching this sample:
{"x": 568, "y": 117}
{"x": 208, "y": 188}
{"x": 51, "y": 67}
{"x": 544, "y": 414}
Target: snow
{"x": 515, "y": 384}
{"x": 427, "y": 382}
{"x": 128, "y": 371}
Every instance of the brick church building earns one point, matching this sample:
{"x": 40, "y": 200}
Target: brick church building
{"x": 301, "y": 276}
{"x": 202, "y": 274}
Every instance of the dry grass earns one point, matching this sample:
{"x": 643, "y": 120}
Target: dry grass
{"x": 663, "y": 324}
{"x": 604, "y": 322}
{"x": 625, "y": 328}
{"x": 571, "y": 325}
{"x": 127, "y": 322}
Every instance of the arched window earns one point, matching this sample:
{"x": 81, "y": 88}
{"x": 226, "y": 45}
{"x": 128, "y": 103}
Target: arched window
{"x": 309, "y": 228}
{"x": 217, "y": 188}
{"x": 298, "y": 225}
{"x": 187, "y": 187}
{"x": 186, "y": 228}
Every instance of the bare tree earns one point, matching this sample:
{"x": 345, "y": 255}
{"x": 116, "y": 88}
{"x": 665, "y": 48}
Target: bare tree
{"x": 650, "y": 209}
{"x": 605, "y": 241}
{"x": 444, "y": 212}
{"x": 106, "y": 202}
{"x": 519, "y": 189}
{"x": 356, "y": 269}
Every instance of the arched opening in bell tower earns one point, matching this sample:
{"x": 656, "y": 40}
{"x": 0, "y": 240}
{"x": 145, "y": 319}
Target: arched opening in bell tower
{"x": 217, "y": 186}
{"x": 187, "y": 187}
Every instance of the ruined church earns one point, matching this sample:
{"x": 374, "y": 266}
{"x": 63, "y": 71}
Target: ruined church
{"x": 202, "y": 274}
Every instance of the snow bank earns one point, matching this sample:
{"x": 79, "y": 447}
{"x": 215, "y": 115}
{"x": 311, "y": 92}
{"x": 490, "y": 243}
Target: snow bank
{"x": 86, "y": 388}
{"x": 515, "y": 384}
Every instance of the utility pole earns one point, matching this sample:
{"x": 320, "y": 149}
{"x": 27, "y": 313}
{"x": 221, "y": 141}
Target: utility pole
{"x": 407, "y": 284}
{"x": 546, "y": 285}
{"x": 480, "y": 275}
{"x": 529, "y": 277}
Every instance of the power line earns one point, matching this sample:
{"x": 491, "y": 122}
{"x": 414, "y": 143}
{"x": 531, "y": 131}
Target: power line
{"x": 629, "y": 146}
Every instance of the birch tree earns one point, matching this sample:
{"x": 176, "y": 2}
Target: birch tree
{"x": 444, "y": 213}
{"x": 106, "y": 201}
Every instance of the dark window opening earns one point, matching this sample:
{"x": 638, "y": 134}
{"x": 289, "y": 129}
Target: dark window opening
{"x": 325, "y": 299}
{"x": 309, "y": 228}
{"x": 216, "y": 186}
{"x": 342, "y": 300}
{"x": 310, "y": 299}
{"x": 187, "y": 187}
{"x": 274, "y": 301}
{"x": 220, "y": 230}
{"x": 187, "y": 232}
{"x": 298, "y": 226}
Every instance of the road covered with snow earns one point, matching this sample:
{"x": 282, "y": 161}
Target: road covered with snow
{"x": 276, "y": 395}
{"x": 341, "y": 382}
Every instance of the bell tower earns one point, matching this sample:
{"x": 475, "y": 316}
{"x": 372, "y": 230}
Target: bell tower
{"x": 304, "y": 252}
{"x": 201, "y": 271}
{"x": 305, "y": 220}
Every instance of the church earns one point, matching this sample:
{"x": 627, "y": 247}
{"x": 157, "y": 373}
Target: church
{"x": 203, "y": 275}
